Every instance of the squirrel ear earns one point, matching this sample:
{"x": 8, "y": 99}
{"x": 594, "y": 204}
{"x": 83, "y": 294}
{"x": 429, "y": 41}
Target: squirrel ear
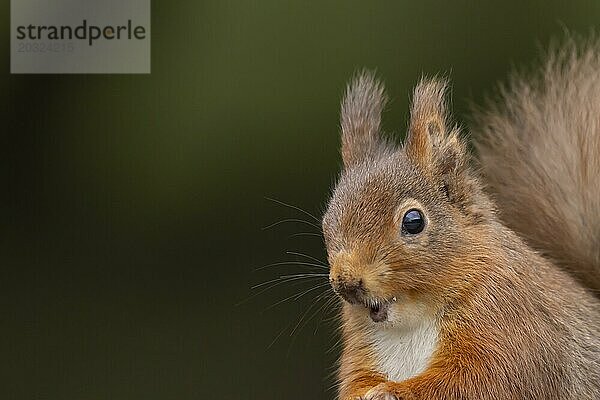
{"x": 436, "y": 148}
{"x": 427, "y": 122}
{"x": 361, "y": 117}
{"x": 430, "y": 143}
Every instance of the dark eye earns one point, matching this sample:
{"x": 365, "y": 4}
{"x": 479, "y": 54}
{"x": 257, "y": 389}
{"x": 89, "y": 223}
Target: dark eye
{"x": 413, "y": 222}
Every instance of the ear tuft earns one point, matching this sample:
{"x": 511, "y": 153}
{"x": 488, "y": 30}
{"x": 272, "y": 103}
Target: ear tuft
{"x": 436, "y": 148}
{"x": 361, "y": 117}
{"x": 427, "y": 120}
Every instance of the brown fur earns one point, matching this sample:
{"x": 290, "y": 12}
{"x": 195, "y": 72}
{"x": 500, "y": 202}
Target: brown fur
{"x": 511, "y": 324}
{"x": 540, "y": 151}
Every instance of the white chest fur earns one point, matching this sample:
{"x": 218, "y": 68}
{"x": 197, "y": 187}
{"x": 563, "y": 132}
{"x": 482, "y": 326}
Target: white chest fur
{"x": 404, "y": 346}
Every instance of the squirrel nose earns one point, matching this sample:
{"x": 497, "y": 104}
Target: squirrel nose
{"x": 350, "y": 290}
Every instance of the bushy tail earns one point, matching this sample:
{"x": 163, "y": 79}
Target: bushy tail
{"x": 539, "y": 149}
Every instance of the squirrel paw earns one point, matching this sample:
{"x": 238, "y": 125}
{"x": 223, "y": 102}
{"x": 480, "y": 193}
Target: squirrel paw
{"x": 389, "y": 391}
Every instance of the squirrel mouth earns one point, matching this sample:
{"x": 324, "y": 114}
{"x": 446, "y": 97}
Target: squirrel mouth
{"x": 378, "y": 310}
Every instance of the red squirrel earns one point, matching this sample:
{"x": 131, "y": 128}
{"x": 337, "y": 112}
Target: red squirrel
{"x": 464, "y": 282}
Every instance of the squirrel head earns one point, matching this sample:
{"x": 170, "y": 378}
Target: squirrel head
{"x": 401, "y": 218}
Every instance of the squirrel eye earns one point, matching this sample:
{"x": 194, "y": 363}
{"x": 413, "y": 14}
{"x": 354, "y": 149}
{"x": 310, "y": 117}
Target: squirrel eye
{"x": 413, "y": 222}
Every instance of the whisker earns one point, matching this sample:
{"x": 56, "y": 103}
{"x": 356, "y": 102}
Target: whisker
{"x": 287, "y": 278}
{"x": 331, "y": 318}
{"x": 335, "y": 345}
{"x": 305, "y": 274}
{"x": 302, "y": 318}
{"x": 317, "y": 311}
{"x": 293, "y": 207}
{"x": 305, "y": 234}
{"x": 278, "y": 335}
{"x": 291, "y": 220}
{"x": 291, "y": 263}
{"x": 295, "y": 253}
{"x": 274, "y": 283}
{"x": 281, "y": 332}
{"x": 297, "y": 296}
{"x": 330, "y": 302}
{"x": 296, "y": 327}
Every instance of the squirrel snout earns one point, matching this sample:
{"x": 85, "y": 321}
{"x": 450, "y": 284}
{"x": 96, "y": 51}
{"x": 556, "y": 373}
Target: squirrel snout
{"x": 353, "y": 291}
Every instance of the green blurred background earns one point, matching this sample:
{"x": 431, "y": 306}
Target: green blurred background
{"x": 132, "y": 207}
